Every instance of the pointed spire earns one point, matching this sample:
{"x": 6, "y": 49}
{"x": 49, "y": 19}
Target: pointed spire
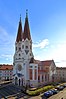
{"x": 19, "y": 34}
{"x": 26, "y": 33}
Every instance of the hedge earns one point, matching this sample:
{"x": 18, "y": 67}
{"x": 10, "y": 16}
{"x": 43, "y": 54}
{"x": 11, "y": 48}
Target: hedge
{"x": 40, "y": 90}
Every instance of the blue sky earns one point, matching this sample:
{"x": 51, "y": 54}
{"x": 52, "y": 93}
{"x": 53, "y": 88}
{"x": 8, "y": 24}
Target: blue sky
{"x": 47, "y": 20}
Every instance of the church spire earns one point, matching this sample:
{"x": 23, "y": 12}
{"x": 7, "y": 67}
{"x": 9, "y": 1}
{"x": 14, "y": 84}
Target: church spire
{"x": 26, "y": 33}
{"x": 26, "y": 13}
{"x": 19, "y": 34}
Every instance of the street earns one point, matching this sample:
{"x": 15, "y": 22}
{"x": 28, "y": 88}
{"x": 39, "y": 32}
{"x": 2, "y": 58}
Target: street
{"x": 60, "y": 95}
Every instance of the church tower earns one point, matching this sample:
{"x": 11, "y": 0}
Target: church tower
{"x": 23, "y": 54}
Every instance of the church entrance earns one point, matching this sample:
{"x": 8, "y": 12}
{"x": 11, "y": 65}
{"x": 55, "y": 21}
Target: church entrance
{"x": 16, "y": 81}
{"x": 22, "y": 82}
{"x": 19, "y": 82}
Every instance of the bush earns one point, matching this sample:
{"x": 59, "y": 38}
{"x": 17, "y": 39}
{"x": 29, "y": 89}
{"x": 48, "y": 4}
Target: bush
{"x": 40, "y": 90}
{"x": 47, "y": 88}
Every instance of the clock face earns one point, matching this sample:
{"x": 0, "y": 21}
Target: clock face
{"x": 19, "y": 67}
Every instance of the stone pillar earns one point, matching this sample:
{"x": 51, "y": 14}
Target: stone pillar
{"x": 40, "y": 77}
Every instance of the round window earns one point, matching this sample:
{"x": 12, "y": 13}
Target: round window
{"x": 19, "y": 67}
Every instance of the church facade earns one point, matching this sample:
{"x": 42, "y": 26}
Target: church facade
{"x": 26, "y": 70}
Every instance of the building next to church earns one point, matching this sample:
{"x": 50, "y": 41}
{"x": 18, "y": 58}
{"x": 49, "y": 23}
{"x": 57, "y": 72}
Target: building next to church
{"x": 61, "y": 74}
{"x": 6, "y": 72}
{"x": 46, "y": 72}
{"x": 27, "y": 70}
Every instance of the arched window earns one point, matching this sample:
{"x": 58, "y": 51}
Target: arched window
{"x": 22, "y": 46}
{"x": 19, "y": 54}
{"x": 45, "y": 77}
{"x": 19, "y": 48}
{"x": 26, "y": 47}
{"x": 42, "y": 78}
{"x": 19, "y": 82}
{"x": 38, "y": 78}
{"x": 16, "y": 48}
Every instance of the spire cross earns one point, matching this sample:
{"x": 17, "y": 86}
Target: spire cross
{"x": 26, "y": 13}
{"x": 20, "y": 17}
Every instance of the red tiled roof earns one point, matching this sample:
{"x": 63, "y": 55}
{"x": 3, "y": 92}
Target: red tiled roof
{"x": 47, "y": 62}
{"x": 6, "y": 67}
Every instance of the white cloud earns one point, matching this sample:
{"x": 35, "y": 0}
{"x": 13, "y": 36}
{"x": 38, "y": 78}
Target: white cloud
{"x": 6, "y": 46}
{"x": 59, "y": 55}
{"x": 6, "y": 55}
{"x": 6, "y": 40}
{"x": 41, "y": 44}
{"x": 3, "y": 35}
{"x": 7, "y": 58}
{"x": 3, "y": 32}
{"x": 61, "y": 64}
{"x": 59, "y": 52}
{"x": 56, "y": 52}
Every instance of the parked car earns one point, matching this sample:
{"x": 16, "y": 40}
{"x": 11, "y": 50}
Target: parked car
{"x": 48, "y": 93}
{"x": 5, "y": 98}
{"x": 64, "y": 85}
{"x": 55, "y": 91}
{"x": 60, "y": 88}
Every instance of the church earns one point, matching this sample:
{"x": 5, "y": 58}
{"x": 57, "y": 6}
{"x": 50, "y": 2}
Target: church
{"x": 24, "y": 67}
{"x": 26, "y": 70}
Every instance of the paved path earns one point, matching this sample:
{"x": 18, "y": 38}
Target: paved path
{"x": 60, "y": 95}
